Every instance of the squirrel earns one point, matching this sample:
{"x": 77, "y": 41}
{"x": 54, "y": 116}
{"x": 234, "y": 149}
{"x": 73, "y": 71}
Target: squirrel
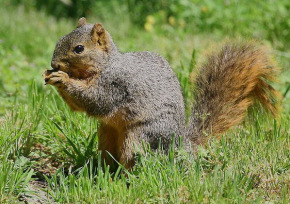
{"x": 137, "y": 97}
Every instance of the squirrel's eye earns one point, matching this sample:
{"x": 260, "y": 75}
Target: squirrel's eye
{"x": 79, "y": 49}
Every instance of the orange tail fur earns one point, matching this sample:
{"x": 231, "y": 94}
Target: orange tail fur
{"x": 228, "y": 84}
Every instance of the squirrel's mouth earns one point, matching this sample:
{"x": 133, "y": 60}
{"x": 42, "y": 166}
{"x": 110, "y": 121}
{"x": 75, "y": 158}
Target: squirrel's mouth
{"x": 79, "y": 73}
{"x": 56, "y": 69}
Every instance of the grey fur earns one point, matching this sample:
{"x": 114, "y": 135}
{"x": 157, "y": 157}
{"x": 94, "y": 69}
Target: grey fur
{"x": 141, "y": 83}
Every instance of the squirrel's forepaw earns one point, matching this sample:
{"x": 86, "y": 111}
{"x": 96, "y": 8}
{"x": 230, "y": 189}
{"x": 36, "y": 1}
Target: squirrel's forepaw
{"x": 58, "y": 78}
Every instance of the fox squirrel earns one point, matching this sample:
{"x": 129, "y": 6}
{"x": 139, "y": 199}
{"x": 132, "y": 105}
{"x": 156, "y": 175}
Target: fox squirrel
{"x": 137, "y": 97}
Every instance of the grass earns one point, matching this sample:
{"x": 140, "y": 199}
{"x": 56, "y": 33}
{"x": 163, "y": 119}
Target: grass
{"x": 41, "y": 139}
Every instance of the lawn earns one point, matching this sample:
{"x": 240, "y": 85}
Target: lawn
{"x": 49, "y": 153}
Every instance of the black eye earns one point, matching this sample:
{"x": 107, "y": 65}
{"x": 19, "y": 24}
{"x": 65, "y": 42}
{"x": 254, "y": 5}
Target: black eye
{"x": 79, "y": 49}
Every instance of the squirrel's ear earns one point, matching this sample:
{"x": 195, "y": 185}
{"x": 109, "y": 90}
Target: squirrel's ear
{"x": 99, "y": 36}
{"x": 82, "y": 21}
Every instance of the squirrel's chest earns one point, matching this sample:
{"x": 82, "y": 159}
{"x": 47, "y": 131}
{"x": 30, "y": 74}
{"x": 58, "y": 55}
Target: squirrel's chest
{"x": 113, "y": 133}
{"x": 116, "y": 120}
{"x": 116, "y": 125}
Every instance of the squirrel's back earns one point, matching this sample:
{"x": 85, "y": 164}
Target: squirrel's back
{"x": 153, "y": 92}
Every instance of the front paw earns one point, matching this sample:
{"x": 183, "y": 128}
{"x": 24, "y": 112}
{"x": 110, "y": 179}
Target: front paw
{"x": 58, "y": 78}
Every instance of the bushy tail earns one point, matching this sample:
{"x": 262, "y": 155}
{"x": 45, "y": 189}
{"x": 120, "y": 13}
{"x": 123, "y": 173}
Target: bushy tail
{"x": 229, "y": 83}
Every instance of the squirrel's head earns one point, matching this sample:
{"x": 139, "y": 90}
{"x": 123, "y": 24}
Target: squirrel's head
{"x": 83, "y": 52}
